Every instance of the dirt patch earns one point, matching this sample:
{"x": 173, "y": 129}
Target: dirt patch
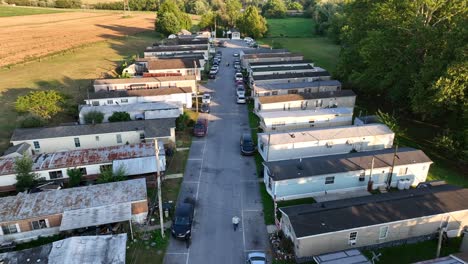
{"x": 28, "y": 37}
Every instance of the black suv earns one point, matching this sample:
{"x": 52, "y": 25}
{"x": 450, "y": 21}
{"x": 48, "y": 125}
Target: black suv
{"x": 247, "y": 146}
{"x": 182, "y": 223}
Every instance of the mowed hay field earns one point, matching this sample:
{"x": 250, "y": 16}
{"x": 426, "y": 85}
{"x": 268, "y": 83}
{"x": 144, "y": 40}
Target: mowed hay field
{"x": 7, "y": 11}
{"x": 24, "y": 38}
{"x": 86, "y": 46}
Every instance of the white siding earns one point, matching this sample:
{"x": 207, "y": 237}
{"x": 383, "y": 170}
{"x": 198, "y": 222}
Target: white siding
{"x": 184, "y": 98}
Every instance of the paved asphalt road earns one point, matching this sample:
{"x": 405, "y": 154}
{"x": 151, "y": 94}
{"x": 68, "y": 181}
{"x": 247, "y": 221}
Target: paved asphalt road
{"x": 222, "y": 182}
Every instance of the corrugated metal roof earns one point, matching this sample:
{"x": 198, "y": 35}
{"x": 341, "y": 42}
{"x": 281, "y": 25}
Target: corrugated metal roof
{"x": 297, "y": 85}
{"x": 147, "y": 106}
{"x": 325, "y": 134}
{"x": 176, "y": 48}
{"x": 291, "y": 75}
{"x": 263, "y": 63}
{"x": 158, "y": 128}
{"x": 95, "y": 216}
{"x": 304, "y": 96}
{"x": 89, "y": 250}
{"x": 26, "y": 206}
{"x": 304, "y": 113}
{"x": 102, "y": 94}
{"x": 77, "y": 158}
{"x": 138, "y": 166}
{"x": 143, "y": 80}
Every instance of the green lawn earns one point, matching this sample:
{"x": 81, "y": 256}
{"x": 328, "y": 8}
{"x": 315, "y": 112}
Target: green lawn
{"x": 176, "y": 163}
{"x": 7, "y": 11}
{"x": 141, "y": 251}
{"x": 322, "y": 51}
{"x": 290, "y": 27}
{"x": 71, "y": 72}
{"x": 411, "y": 253}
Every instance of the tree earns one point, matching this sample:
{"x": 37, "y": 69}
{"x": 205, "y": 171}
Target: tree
{"x": 74, "y": 177}
{"x": 185, "y": 21}
{"x": 207, "y": 20}
{"x": 274, "y": 9}
{"x": 108, "y": 175}
{"x": 31, "y": 121}
{"x": 233, "y": 8}
{"x": 44, "y": 104}
{"x": 295, "y": 6}
{"x": 119, "y": 117}
{"x": 392, "y": 123}
{"x": 94, "y": 117}
{"x": 198, "y": 7}
{"x": 25, "y": 178}
{"x": 252, "y": 23}
{"x": 167, "y": 24}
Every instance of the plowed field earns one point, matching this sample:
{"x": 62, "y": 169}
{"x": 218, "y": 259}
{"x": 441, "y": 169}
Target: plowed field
{"x": 24, "y": 38}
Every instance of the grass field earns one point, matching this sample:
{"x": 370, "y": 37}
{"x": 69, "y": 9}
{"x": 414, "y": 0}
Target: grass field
{"x": 297, "y": 35}
{"x": 296, "y": 27}
{"x": 7, "y": 11}
{"x": 72, "y": 73}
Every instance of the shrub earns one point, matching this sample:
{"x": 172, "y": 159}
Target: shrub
{"x": 74, "y": 177}
{"x": 181, "y": 122}
{"x": 25, "y": 178}
{"x": 119, "y": 117}
{"x": 31, "y": 121}
{"x": 94, "y": 117}
{"x": 45, "y": 104}
{"x": 68, "y": 3}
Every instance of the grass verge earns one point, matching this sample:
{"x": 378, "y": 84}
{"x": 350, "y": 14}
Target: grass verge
{"x": 176, "y": 163}
{"x": 8, "y": 11}
{"x": 410, "y": 253}
{"x": 151, "y": 250}
{"x": 268, "y": 206}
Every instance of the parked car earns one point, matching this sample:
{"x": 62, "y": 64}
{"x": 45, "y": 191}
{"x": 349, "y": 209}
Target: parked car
{"x": 256, "y": 258}
{"x": 239, "y": 83}
{"x": 212, "y": 75}
{"x": 248, "y": 39}
{"x": 220, "y": 53}
{"x": 215, "y": 68}
{"x": 200, "y": 128}
{"x": 235, "y": 54}
{"x": 205, "y": 108}
{"x": 182, "y": 223}
{"x": 247, "y": 146}
{"x": 239, "y": 77}
{"x": 240, "y": 91}
{"x": 241, "y": 99}
{"x": 206, "y": 98}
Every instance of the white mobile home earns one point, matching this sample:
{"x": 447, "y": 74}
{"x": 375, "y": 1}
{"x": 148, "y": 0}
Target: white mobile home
{"x": 138, "y": 111}
{"x": 246, "y": 59}
{"x": 182, "y": 66}
{"x": 182, "y": 95}
{"x": 375, "y": 221}
{"x": 322, "y": 142}
{"x": 91, "y": 162}
{"x": 305, "y": 101}
{"x": 156, "y": 51}
{"x": 301, "y": 119}
{"x": 146, "y": 83}
{"x": 309, "y": 177}
{"x": 283, "y": 88}
{"x": 291, "y": 77}
{"x": 74, "y": 137}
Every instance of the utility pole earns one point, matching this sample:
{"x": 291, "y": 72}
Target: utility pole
{"x": 395, "y": 156}
{"x": 442, "y": 229}
{"x": 126, "y": 8}
{"x": 158, "y": 178}
{"x": 196, "y": 86}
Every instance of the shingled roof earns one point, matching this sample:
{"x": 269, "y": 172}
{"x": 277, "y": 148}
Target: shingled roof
{"x": 173, "y": 63}
{"x": 304, "y": 96}
{"x": 291, "y": 75}
{"x": 328, "y": 217}
{"x": 318, "y": 166}
{"x": 102, "y": 94}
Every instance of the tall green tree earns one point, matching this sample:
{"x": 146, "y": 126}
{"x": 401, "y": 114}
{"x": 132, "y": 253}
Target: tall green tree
{"x": 25, "y": 178}
{"x": 45, "y": 104}
{"x": 274, "y": 9}
{"x": 108, "y": 175}
{"x": 252, "y": 23}
{"x": 119, "y": 117}
{"x": 207, "y": 20}
{"x": 233, "y": 11}
{"x": 167, "y": 24}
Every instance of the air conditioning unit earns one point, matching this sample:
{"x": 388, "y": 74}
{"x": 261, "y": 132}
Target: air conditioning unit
{"x": 352, "y": 243}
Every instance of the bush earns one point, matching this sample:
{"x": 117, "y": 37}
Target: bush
{"x": 68, "y": 3}
{"x": 119, "y": 117}
{"x": 109, "y": 6}
{"x": 45, "y": 104}
{"x": 74, "y": 177}
{"x": 31, "y": 121}
{"x": 181, "y": 122}
{"x": 94, "y": 117}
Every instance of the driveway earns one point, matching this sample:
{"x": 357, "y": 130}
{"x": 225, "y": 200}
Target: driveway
{"x": 222, "y": 182}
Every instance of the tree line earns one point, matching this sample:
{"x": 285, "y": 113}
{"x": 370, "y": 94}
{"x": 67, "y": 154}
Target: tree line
{"x": 411, "y": 53}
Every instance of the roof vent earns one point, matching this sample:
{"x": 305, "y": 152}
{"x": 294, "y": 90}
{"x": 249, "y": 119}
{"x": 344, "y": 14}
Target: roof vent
{"x": 299, "y": 165}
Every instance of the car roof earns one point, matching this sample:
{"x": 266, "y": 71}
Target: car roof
{"x": 184, "y": 209}
{"x": 247, "y": 136}
{"x": 257, "y": 254}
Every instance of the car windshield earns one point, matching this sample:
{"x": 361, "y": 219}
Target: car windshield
{"x": 199, "y": 126}
{"x": 181, "y": 221}
{"x": 257, "y": 258}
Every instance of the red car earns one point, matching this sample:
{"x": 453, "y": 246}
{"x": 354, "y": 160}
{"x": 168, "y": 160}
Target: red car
{"x": 200, "y": 128}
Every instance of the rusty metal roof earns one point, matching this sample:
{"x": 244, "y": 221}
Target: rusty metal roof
{"x": 70, "y": 159}
{"x": 26, "y": 206}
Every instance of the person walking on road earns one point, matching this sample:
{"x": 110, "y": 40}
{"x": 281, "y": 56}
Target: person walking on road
{"x": 235, "y": 222}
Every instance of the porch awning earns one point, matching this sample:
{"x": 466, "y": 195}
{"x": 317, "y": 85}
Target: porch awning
{"x": 95, "y": 216}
